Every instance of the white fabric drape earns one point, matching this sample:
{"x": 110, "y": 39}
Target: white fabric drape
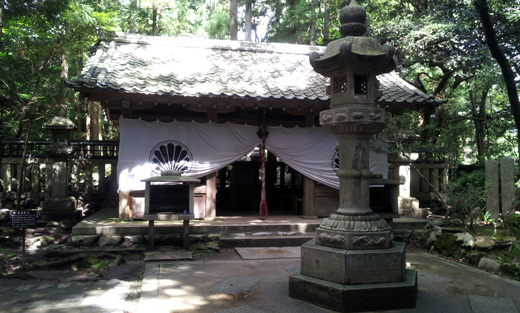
{"x": 311, "y": 151}
{"x": 212, "y": 147}
{"x": 203, "y": 148}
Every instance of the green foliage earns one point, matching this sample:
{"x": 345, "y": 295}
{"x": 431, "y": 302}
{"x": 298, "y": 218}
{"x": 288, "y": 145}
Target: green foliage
{"x": 466, "y": 191}
{"x": 37, "y": 37}
{"x": 512, "y": 222}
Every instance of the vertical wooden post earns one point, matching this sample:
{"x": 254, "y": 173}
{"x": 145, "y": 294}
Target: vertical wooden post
{"x": 186, "y": 234}
{"x": 151, "y": 234}
{"x": 211, "y": 195}
{"x": 101, "y": 175}
{"x": 309, "y": 184}
{"x": 113, "y": 177}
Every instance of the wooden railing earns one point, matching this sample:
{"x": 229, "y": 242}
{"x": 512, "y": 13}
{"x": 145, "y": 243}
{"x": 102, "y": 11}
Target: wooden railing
{"x": 92, "y": 167}
{"x": 425, "y": 179}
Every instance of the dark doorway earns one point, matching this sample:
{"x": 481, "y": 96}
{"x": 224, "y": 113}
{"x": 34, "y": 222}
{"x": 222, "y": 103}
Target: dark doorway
{"x": 239, "y": 186}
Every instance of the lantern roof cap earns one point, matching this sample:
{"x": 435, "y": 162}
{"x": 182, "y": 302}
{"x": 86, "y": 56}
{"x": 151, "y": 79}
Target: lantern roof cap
{"x": 353, "y": 19}
{"x": 59, "y": 122}
{"x": 353, "y": 49}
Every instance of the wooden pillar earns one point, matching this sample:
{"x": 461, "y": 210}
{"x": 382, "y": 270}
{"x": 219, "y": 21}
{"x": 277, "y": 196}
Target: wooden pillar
{"x": 101, "y": 175}
{"x": 186, "y": 234}
{"x": 125, "y": 205}
{"x": 211, "y": 184}
{"x": 88, "y": 177}
{"x": 211, "y": 195}
{"x": 113, "y": 177}
{"x": 151, "y": 234}
{"x": 309, "y": 184}
{"x": 308, "y": 197}
{"x": 270, "y": 175}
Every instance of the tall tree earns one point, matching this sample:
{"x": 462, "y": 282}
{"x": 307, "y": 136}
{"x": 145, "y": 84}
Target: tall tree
{"x": 497, "y": 53}
{"x": 233, "y": 14}
{"x": 248, "y": 19}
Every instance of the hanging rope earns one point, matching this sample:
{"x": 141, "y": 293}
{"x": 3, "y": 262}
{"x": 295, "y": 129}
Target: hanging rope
{"x": 262, "y": 155}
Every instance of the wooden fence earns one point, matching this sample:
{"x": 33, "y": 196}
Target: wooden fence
{"x": 92, "y": 167}
{"x": 424, "y": 180}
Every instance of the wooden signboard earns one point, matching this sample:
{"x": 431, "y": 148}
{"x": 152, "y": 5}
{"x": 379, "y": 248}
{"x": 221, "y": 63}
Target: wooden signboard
{"x": 23, "y": 219}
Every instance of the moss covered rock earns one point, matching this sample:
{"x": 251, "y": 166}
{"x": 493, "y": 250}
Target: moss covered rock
{"x": 447, "y": 245}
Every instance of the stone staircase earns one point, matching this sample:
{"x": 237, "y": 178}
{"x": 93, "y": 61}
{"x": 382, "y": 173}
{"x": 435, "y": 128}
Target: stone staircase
{"x": 230, "y": 232}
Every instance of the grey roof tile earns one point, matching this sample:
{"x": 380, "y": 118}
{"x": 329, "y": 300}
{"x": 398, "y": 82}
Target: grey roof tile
{"x": 187, "y": 67}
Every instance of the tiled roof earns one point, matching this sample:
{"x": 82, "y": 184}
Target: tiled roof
{"x": 197, "y": 68}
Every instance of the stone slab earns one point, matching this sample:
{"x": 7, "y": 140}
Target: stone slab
{"x": 173, "y": 255}
{"x": 481, "y": 304}
{"x": 236, "y": 285}
{"x": 355, "y": 298}
{"x": 507, "y": 184}
{"x": 492, "y": 189}
{"x": 262, "y": 253}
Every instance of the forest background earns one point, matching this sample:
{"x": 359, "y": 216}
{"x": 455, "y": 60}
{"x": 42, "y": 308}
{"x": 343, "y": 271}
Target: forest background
{"x": 465, "y": 52}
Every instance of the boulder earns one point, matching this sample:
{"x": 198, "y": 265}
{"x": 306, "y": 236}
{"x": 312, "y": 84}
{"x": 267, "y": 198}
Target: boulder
{"x": 85, "y": 240}
{"x": 135, "y": 239}
{"x": 484, "y": 242}
{"x": 465, "y": 239}
{"x": 106, "y": 241}
{"x": 489, "y": 265}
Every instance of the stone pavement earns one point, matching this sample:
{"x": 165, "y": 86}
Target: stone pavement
{"x": 229, "y": 284}
{"x": 45, "y": 296}
{"x": 261, "y": 286}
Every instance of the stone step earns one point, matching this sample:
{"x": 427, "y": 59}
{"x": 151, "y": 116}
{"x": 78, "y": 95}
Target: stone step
{"x": 265, "y": 239}
{"x": 161, "y": 228}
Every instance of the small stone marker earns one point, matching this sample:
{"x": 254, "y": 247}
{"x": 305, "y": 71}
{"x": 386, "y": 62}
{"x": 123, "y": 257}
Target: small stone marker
{"x": 507, "y": 183}
{"x": 492, "y": 200}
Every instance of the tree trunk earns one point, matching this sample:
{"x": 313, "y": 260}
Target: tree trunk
{"x": 326, "y": 22}
{"x": 249, "y": 16}
{"x": 154, "y": 20}
{"x": 500, "y": 57}
{"x": 479, "y": 117}
{"x": 133, "y": 9}
{"x": 96, "y": 118}
{"x": 312, "y": 24}
{"x": 1, "y": 23}
{"x": 61, "y": 110}
{"x": 233, "y": 13}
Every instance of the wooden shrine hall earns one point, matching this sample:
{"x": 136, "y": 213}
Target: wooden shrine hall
{"x": 210, "y": 104}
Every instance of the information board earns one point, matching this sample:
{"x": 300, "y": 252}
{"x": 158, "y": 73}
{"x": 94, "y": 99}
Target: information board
{"x": 23, "y": 219}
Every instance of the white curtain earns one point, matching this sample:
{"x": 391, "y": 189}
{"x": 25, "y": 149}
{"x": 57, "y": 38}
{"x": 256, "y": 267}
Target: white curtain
{"x": 199, "y": 149}
{"x": 312, "y": 152}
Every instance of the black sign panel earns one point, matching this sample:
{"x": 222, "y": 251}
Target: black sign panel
{"x": 23, "y": 219}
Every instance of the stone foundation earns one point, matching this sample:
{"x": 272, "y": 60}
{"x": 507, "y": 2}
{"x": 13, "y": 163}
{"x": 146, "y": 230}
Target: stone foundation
{"x": 354, "y": 266}
{"x": 355, "y": 298}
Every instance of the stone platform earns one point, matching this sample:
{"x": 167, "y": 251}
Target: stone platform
{"x": 355, "y": 298}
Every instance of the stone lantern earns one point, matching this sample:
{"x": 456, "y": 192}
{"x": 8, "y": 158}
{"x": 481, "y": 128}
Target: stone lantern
{"x": 352, "y": 264}
{"x": 59, "y": 206}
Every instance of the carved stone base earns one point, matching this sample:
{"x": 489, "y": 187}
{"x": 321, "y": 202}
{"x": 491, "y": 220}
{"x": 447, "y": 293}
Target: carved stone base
{"x": 354, "y": 240}
{"x": 354, "y": 232}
